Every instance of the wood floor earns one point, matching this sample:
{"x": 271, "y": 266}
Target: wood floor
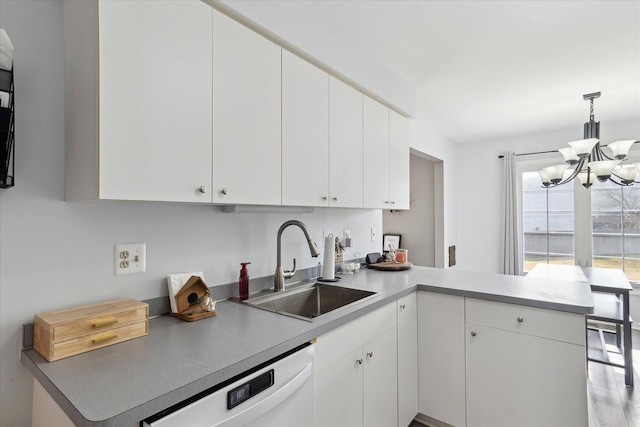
{"x": 611, "y": 403}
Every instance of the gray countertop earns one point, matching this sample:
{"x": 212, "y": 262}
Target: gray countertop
{"x": 128, "y": 382}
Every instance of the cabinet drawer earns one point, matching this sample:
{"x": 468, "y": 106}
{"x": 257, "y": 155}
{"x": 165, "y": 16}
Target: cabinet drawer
{"x": 540, "y": 322}
{"x": 96, "y": 340}
{"x": 64, "y": 329}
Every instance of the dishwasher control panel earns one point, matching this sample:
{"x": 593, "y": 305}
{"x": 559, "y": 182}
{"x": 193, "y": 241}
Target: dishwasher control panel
{"x": 249, "y": 389}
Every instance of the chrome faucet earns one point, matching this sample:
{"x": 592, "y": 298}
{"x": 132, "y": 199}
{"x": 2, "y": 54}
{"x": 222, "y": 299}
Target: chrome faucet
{"x": 278, "y": 281}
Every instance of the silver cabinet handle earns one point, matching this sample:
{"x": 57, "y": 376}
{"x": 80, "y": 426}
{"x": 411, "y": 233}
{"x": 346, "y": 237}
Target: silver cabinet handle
{"x": 359, "y": 361}
{"x": 402, "y": 306}
{"x": 324, "y": 198}
{"x": 225, "y": 191}
{"x": 520, "y": 319}
{"x": 370, "y": 354}
{"x": 334, "y": 198}
{"x": 474, "y": 333}
{"x": 393, "y": 202}
{"x": 202, "y": 189}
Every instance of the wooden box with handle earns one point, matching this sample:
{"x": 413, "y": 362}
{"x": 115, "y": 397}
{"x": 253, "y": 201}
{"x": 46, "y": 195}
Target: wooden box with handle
{"x": 63, "y": 333}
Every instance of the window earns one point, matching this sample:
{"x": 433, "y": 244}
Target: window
{"x": 615, "y": 222}
{"x": 547, "y": 222}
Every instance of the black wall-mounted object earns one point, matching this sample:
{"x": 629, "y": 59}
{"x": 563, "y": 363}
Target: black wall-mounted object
{"x": 452, "y": 255}
{"x": 7, "y": 131}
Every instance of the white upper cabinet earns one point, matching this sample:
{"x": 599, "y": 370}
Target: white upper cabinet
{"x": 305, "y": 133}
{"x": 321, "y": 138}
{"x": 246, "y": 116}
{"x": 138, "y": 100}
{"x": 345, "y": 145}
{"x": 174, "y": 101}
{"x": 399, "y": 136}
{"x": 386, "y": 157}
{"x": 376, "y": 154}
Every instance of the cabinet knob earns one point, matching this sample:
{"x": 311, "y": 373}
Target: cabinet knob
{"x": 402, "y": 306}
{"x": 370, "y": 354}
{"x": 324, "y": 198}
{"x": 359, "y": 361}
{"x": 520, "y": 319}
{"x": 474, "y": 333}
{"x": 386, "y": 202}
{"x": 202, "y": 189}
{"x": 334, "y": 198}
{"x": 393, "y": 202}
{"x": 225, "y": 191}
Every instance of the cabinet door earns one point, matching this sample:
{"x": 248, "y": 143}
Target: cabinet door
{"x": 345, "y": 142}
{"x": 407, "y": 359}
{"x": 376, "y": 154}
{"x": 338, "y": 393}
{"x": 380, "y": 380}
{"x": 518, "y": 379}
{"x": 399, "y": 136}
{"x": 247, "y": 115}
{"x": 155, "y": 100}
{"x": 441, "y": 357}
{"x": 305, "y": 133}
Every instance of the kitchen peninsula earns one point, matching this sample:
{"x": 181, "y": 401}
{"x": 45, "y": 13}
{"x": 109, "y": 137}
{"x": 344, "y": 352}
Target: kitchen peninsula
{"x": 123, "y": 384}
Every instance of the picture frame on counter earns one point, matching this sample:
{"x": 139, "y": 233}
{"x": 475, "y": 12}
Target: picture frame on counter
{"x": 390, "y": 239}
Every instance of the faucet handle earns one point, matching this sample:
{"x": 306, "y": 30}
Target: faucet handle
{"x": 289, "y": 274}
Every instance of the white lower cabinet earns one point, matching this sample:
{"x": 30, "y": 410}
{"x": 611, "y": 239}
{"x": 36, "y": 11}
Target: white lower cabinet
{"x": 484, "y": 363}
{"x": 441, "y": 358}
{"x": 356, "y": 372}
{"x": 407, "y": 359}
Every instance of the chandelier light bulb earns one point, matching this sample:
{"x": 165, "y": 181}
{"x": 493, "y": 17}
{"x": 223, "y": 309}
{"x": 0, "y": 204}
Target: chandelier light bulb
{"x": 546, "y": 181}
{"x": 570, "y": 156}
{"x": 583, "y": 147}
{"x": 555, "y": 173}
{"x": 620, "y": 149}
{"x": 587, "y": 178}
{"x": 626, "y": 173}
{"x": 603, "y": 169}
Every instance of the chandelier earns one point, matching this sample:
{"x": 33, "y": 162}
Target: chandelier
{"x": 590, "y": 161}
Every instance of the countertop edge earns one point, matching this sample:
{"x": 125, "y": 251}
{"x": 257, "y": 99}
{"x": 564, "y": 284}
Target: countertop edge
{"x": 548, "y": 305}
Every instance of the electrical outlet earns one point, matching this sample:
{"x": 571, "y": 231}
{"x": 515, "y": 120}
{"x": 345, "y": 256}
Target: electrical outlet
{"x": 129, "y": 258}
{"x": 346, "y": 238}
{"x": 374, "y": 234}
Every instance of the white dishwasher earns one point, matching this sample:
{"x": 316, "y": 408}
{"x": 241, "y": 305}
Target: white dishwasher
{"x": 279, "y": 393}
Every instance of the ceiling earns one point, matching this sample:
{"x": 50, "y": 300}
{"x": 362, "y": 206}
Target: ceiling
{"x": 493, "y": 69}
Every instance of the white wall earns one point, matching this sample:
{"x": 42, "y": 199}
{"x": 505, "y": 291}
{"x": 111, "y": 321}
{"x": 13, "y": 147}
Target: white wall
{"x": 479, "y": 186}
{"x": 55, "y": 254}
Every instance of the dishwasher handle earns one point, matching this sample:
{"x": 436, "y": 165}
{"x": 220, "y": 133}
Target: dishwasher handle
{"x": 263, "y": 406}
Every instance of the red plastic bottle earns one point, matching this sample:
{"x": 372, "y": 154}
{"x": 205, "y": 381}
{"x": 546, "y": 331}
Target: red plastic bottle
{"x": 243, "y": 281}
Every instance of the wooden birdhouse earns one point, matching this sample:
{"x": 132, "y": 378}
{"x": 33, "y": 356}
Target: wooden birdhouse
{"x": 194, "y": 301}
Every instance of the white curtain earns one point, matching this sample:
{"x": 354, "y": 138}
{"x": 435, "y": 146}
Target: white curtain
{"x": 511, "y": 255}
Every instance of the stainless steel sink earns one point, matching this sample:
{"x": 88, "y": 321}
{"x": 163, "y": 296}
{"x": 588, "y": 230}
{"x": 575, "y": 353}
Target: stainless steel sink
{"x": 309, "y": 301}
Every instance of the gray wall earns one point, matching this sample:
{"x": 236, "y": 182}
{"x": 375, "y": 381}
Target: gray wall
{"x": 55, "y": 254}
{"x": 417, "y": 224}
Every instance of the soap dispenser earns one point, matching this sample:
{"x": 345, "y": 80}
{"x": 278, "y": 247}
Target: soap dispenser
{"x": 243, "y": 281}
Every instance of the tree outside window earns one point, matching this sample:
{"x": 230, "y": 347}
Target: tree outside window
{"x": 615, "y": 219}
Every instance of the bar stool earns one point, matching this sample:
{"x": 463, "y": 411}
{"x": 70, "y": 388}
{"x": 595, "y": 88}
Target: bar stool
{"x": 608, "y": 308}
